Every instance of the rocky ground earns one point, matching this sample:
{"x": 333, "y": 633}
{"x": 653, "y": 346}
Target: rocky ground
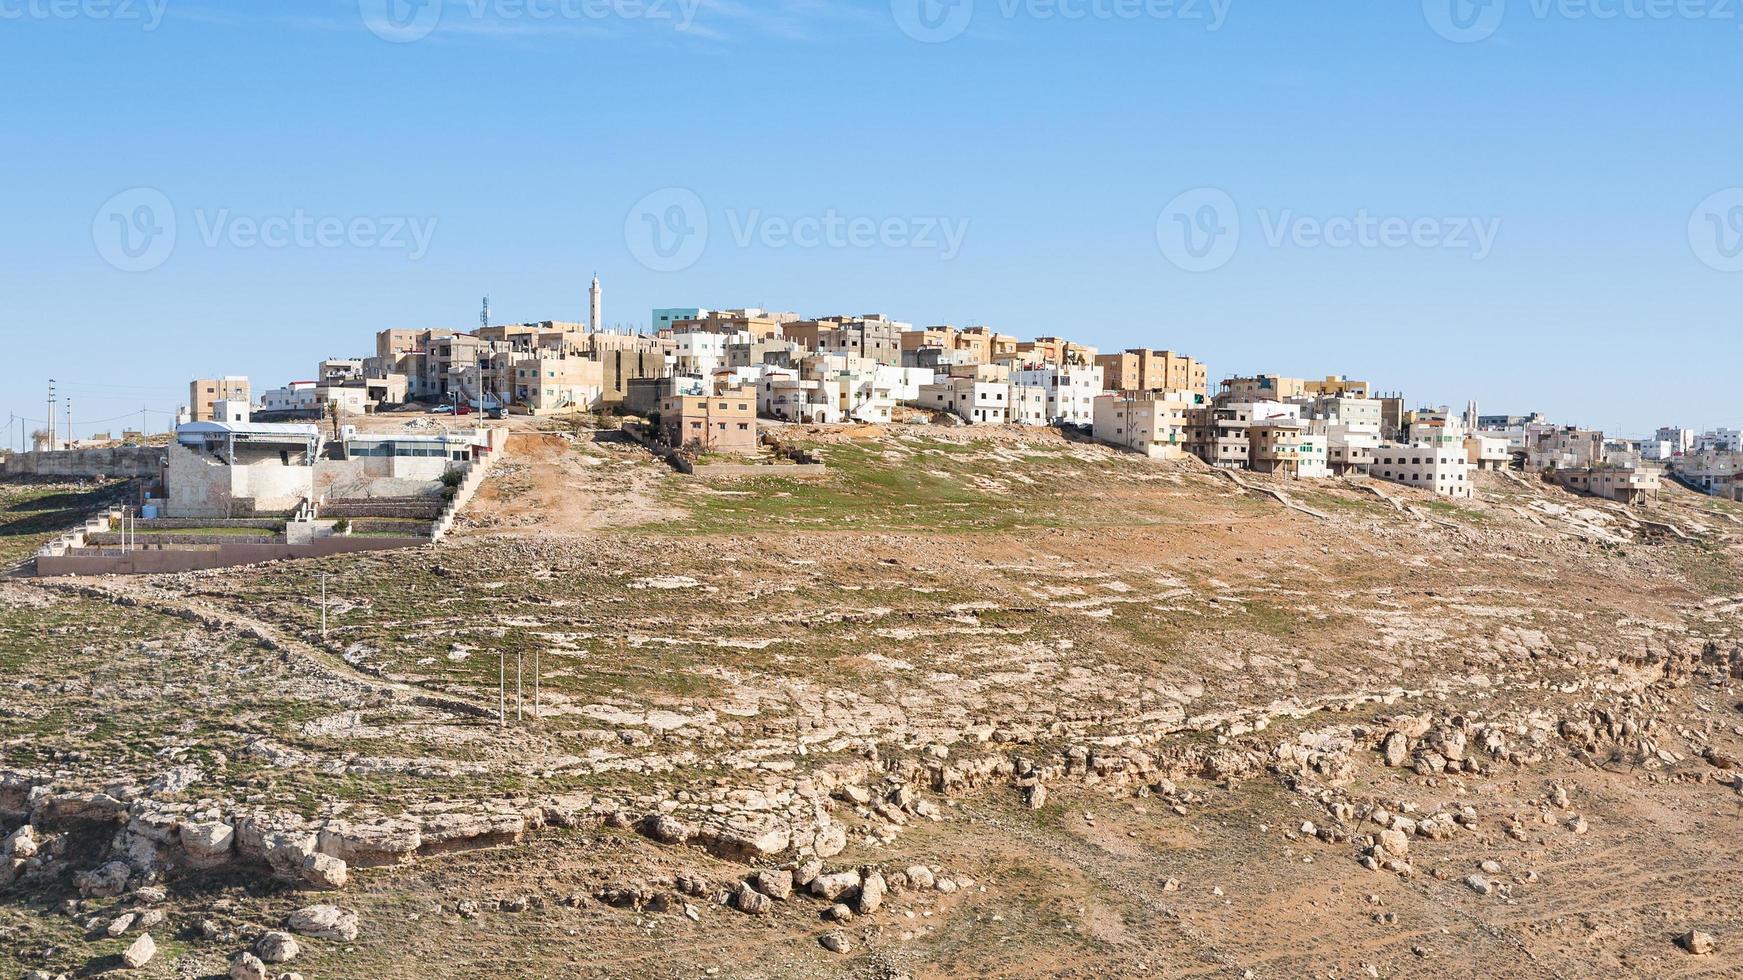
{"x": 975, "y": 703}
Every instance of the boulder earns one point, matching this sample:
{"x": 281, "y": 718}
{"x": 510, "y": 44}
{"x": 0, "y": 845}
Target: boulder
{"x": 1395, "y": 749}
{"x": 921, "y": 877}
{"x": 324, "y": 871}
{"x": 140, "y": 953}
{"x": 120, "y": 924}
{"x": 324, "y": 922}
{"x": 833, "y": 887}
{"x": 208, "y": 844}
{"x": 104, "y": 882}
{"x": 871, "y": 893}
{"x": 1394, "y": 843}
{"x": 23, "y": 843}
{"x": 775, "y": 883}
{"x": 750, "y": 901}
{"x": 835, "y": 942}
{"x": 1698, "y": 943}
{"x": 383, "y": 842}
{"x": 667, "y": 829}
{"x": 277, "y": 947}
{"x": 247, "y": 966}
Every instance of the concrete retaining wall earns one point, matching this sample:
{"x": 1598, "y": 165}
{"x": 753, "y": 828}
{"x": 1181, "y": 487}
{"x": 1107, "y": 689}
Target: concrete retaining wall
{"x": 122, "y": 461}
{"x": 785, "y": 471}
{"x": 476, "y": 472}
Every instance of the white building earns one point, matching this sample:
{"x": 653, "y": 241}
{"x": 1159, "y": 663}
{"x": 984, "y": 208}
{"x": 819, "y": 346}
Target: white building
{"x": 1720, "y": 441}
{"x": 1264, "y": 411}
{"x": 977, "y": 402}
{"x": 1711, "y": 473}
{"x": 1071, "y": 391}
{"x": 298, "y": 396}
{"x": 702, "y": 352}
{"x": 904, "y": 383}
{"x": 1029, "y": 405}
{"x": 1445, "y": 470}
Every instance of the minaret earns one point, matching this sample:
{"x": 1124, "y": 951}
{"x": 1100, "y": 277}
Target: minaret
{"x": 593, "y": 322}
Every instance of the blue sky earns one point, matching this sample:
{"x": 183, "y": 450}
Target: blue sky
{"x": 1026, "y": 171}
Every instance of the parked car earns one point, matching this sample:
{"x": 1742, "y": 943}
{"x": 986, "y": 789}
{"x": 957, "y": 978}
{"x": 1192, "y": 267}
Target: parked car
{"x": 442, "y": 410}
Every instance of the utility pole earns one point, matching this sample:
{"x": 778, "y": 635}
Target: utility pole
{"x": 69, "y": 422}
{"x": 49, "y": 423}
{"x": 501, "y": 688}
{"x": 536, "y": 713}
{"x": 518, "y": 699}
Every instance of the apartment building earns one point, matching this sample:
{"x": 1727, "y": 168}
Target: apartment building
{"x": 549, "y": 383}
{"x": 1150, "y": 422}
{"x": 1337, "y": 387}
{"x": 1289, "y": 449}
{"x": 1141, "y": 369}
{"x": 759, "y": 324}
{"x": 1487, "y": 451}
{"x": 1631, "y": 485}
{"x": 1029, "y": 405}
{"x": 723, "y": 423}
{"x": 1261, "y": 388}
{"x": 873, "y": 336}
{"x": 1709, "y": 472}
{"x": 1359, "y": 414}
{"x": 1720, "y": 441}
{"x": 1564, "y": 446}
{"x": 976, "y": 401}
{"x": 1349, "y": 448}
{"x": 204, "y": 392}
{"x": 976, "y": 345}
{"x": 1443, "y": 470}
{"x": 1215, "y": 435}
{"x": 1056, "y": 351}
{"x": 1070, "y": 392}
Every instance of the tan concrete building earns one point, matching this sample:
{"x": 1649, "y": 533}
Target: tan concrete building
{"x": 1336, "y": 387}
{"x": 548, "y": 383}
{"x": 1056, "y": 351}
{"x": 1263, "y": 387}
{"x": 206, "y": 391}
{"x": 1150, "y": 422}
{"x": 1634, "y": 486}
{"x": 1219, "y": 437}
{"x": 760, "y": 325}
{"x": 723, "y": 423}
{"x": 1141, "y": 369}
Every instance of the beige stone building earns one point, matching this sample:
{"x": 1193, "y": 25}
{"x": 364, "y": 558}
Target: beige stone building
{"x": 203, "y": 393}
{"x": 1140, "y": 369}
{"x": 1150, "y": 422}
{"x": 723, "y": 423}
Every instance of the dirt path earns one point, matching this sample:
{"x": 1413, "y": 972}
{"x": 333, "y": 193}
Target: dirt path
{"x": 547, "y": 484}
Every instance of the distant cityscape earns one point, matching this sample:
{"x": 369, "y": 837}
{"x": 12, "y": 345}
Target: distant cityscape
{"x": 709, "y": 381}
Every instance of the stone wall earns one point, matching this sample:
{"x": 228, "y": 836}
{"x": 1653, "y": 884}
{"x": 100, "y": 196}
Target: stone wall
{"x": 153, "y": 561}
{"x": 122, "y": 461}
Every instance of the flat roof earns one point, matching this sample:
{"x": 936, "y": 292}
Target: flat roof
{"x": 287, "y": 429}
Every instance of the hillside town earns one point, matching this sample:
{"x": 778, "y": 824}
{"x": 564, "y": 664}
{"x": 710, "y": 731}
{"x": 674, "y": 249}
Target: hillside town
{"x": 711, "y": 380}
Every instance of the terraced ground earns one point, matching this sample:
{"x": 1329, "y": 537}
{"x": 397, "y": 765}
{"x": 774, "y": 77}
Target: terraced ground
{"x": 1193, "y": 671}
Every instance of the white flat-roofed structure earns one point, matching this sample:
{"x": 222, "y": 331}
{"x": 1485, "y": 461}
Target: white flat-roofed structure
{"x": 240, "y": 443}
